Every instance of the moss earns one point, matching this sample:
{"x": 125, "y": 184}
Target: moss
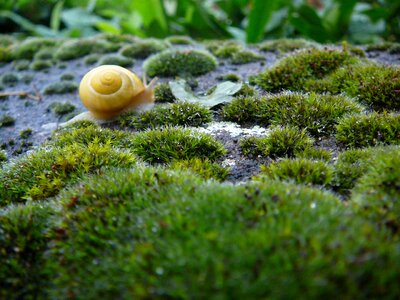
{"x": 286, "y": 45}
{"x": 61, "y": 109}
{"x": 315, "y": 153}
{"x": 245, "y": 57}
{"x": 116, "y": 59}
{"x": 28, "y": 48}
{"x": 175, "y": 143}
{"x": 229, "y": 77}
{"x": 67, "y": 76}
{"x": 81, "y": 47}
{"x": 293, "y": 71}
{"x": 203, "y": 167}
{"x": 5, "y": 54}
{"x": 280, "y": 142}
{"x": 300, "y": 170}
{"x": 26, "y": 133}
{"x": 369, "y": 130}
{"x": 44, "y": 173}
{"x": 377, "y": 191}
{"x": 317, "y": 113}
{"x": 180, "y": 62}
{"x": 118, "y": 39}
{"x": 26, "y": 78}
{"x": 92, "y": 59}
{"x": 6, "y": 40}
{"x": 176, "y": 114}
{"x": 179, "y": 40}
{"x": 246, "y": 91}
{"x": 386, "y": 46}
{"x": 223, "y": 49}
{"x": 62, "y": 87}
{"x": 372, "y": 84}
{"x": 144, "y": 48}
{"x": 39, "y": 65}
{"x": 23, "y": 243}
{"x": 44, "y": 54}
{"x": 9, "y": 79}
{"x": 6, "y": 120}
{"x": 21, "y": 65}
{"x": 163, "y": 93}
{"x": 3, "y": 156}
{"x": 179, "y": 226}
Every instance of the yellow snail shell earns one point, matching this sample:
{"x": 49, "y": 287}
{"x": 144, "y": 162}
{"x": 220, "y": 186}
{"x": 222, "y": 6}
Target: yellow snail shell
{"x": 109, "y": 90}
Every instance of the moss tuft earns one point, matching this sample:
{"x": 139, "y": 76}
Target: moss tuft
{"x": 315, "y": 153}
{"x": 286, "y": 45}
{"x": 39, "y": 65}
{"x": 6, "y": 120}
{"x": 26, "y": 133}
{"x": 61, "y": 109}
{"x": 29, "y": 47}
{"x": 293, "y": 71}
{"x": 280, "y": 142}
{"x": 223, "y": 49}
{"x": 44, "y": 173}
{"x": 229, "y": 77}
{"x": 44, "y": 54}
{"x": 300, "y": 170}
{"x": 180, "y": 62}
{"x": 369, "y": 130}
{"x": 245, "y": 57}
{"x": 163, "y": 93}
{"x": 144, "y": 48}
{"x": 176, "y": 114}
{"x": 9, "y": 79}
{"x": 62, "y": 87}
{"x": 92, "y": 59}
{"x": 116, "y": 59}
{"x": 175, "y": 143}
{"x": 3, "y": 156}
{"x": 5, "y": 54}
{"x": 317, "y": 113}
{"x": 179, "y": 40}
{"x": 203, "y": 167}
{"x": 67, "y": 76}
{"x": 81, "y": 47}
{"x": 21, "y": 64}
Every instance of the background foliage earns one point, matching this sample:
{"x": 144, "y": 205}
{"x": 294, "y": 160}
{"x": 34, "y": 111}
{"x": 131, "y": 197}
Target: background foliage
{"x": 365, "y": 21}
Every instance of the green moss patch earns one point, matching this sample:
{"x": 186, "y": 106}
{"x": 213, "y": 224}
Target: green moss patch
{"x": 286, "y": 45}
{"x": 61, "y": 109}
{"x": 39, "y": 65}
{"x": 317, "y": 113}
{"x": 62, "y": 87}
{"x": 293, "y": 71}
{"x": 116, "y": 59}
{"x": 300, "y": 170}
{"x": 203, "y": 167}
{"x": 21, "y": 64}
{"x": 29, "y": 47}
{"x": 143, "y": 49}
{"x": 9, "y": 79}
{"x": 81, "y": 47}
{"x": 180, "y": 40}
{"x": 176, "y": 114}
{"x": 280, "y": 142}
{"x": 369, "y": 130}
{"x": 180, "y": 62}
{"x": 175, "y": 143}
{"x": 6, "y": 120}
{"x": 163, "y": 93}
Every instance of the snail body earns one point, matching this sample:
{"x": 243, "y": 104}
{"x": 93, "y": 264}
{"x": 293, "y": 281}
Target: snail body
{"x": 109, "y": 90}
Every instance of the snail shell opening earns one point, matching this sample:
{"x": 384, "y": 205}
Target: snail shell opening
{"x": 107, "y": 90}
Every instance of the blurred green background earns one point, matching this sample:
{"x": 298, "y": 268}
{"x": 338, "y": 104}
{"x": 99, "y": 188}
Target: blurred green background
{"x": 369, "y": 21}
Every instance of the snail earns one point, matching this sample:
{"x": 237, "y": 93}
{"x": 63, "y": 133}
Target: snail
{"x": 109, "y": 90}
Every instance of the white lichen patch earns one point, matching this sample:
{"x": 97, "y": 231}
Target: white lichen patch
{"x": 233, "y": 129}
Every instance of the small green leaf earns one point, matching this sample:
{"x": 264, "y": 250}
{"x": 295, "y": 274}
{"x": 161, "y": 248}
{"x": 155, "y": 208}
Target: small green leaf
{"x": 223, "y": 93}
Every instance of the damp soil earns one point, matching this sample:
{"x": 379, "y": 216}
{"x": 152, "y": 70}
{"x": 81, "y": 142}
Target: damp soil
{"x": 36, "y": 115}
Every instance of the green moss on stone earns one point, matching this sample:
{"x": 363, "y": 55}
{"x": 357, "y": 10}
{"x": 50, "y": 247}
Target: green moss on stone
{"x": 180, "y": 62}
{"x": 229, "y": 77}
{"x": 21, "y": 64}
{"x": 29, "y": 47}
{"x": 6, "y": 120}
{"x": 39, "y": 65}
{"x": 317, "y": 113}
{"x": 315, "y": 153}
{"x": 286, "y": 45}
{"x": 67, "y": 76}
{"x": 293, "y": 71}
{"x": 9, "y": 79}
{"x": 92, "y": 59}
{"x": 62, "y": 87}
{"x": 245, "y": 57}
{"x": 176, "y": 114}
{"x": 3, "y": 156}
{"x": 44, "y": 54}
{"x": 369, "y": 130}
{"x": 61, "y": 109}
{"x": 280, "y": 142}
{"x": 163, "y": 93}
{"x": 26, "y": 133}
{"x": 203, "y": 167}
{"x": 179, "y": 40}
{"x": 300, "y": 170}
{"x": 116, "y": 59}
{"x": 5, "y": 54}
{"x": 81, "y": 47}
{"x": 175, "y": 143}
{"x": 144, "y": 48}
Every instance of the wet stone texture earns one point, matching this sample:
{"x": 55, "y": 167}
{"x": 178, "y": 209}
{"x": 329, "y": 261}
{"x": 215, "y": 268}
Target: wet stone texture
{"x": 38, "y": 115}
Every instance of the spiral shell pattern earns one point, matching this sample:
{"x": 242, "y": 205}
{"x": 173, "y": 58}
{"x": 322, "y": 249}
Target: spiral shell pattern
{"x": 107, "y": 90}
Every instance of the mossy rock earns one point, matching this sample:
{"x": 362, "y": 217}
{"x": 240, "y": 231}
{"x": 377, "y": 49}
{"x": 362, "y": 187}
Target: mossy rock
{"x": 81, "y": 47}
{"x": 180, "y": 62}
{"x": 62, "y": 87}
{"x": 286, "y": 45}
{"x": 143, "y": 49}
{"x": 29, "y": 47}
